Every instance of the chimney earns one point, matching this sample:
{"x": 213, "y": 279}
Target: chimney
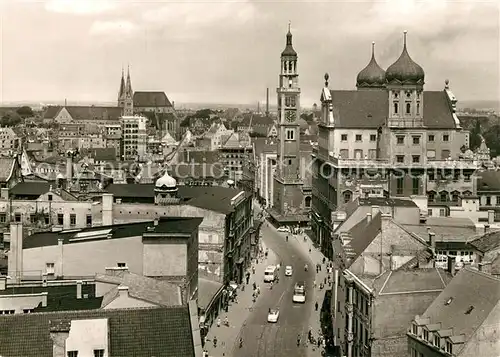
{"x": 15, "y": 259}
{"x": 491, "y": 216}
{"x": 267, "y": 102}
{"x": 3, "y": 283}
{"x": 79, "y": 284}
{"x": 173, "y": 104}
{"x": 69, "y": 168}
{"x": 5, "y": 193}
{"x": 432, "y": 240}
{"x": 59, "y": 333}
{"x": 368, "y": 217}
{"x": 45, "y": 295}
{"x": 155, "y": 222}
{"x": 451, "y": 265}
{"x": 107, "y": 209}
{"x": 60, "y": 266}
{"x": 375, "y": 210}
{"x": 486, "y": 228}
{"x": 123, "y": 290}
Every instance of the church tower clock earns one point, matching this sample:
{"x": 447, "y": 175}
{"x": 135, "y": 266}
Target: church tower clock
{"x": 288, "y": 197}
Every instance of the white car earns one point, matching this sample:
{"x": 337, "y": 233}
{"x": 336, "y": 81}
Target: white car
{"x": 284, "y": 230}
{"x": 273, "y": 315}
{"x": 288, "y": 270}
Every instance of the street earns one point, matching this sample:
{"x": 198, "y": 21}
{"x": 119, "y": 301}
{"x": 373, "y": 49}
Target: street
{"x": 263, "y": 339}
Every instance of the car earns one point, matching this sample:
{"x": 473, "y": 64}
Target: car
{"x": 284, "y": 230}
{"x": 299, "y": 293}
{"x": 273, "y": 315}
{"x": 288, "y": 270}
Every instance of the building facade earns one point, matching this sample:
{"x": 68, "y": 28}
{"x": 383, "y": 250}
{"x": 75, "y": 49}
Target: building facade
{"x": 134, "y": 137}
{"x": 388, "y": 136}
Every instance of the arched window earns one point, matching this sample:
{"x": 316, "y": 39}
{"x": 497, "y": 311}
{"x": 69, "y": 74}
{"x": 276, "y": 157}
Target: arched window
{"x": 285, "y": 65}
{"x": 431, "y": 196}
{"x": 347, "y": 196}
{"x": 307, "y": 201}
{"x": 443, "y": 196}
{"x": 418, "y": 108}
{"x": 396, "y": 107}
{"x": 408, "y": 108}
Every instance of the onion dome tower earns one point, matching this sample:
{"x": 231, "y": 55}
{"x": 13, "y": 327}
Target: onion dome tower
{"x": 289, "y": 51}
{"x": 372, "y": 76}
{"x": 166, "y": 190}
{"x": 405, "y": 70}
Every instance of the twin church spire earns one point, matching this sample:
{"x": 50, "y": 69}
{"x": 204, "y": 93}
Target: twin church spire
{"x": 125, "y": 87}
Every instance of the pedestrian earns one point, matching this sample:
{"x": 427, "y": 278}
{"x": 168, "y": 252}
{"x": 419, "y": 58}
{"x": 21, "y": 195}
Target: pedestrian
{"x": 314, "y": 284}
{"x": 215, "y": 341}
{"x": 253, "y": 267}
{"x": 324, "y": 259}
{"x": 248, "y": 278}
{"x": 309, "y": 249}
{"x": 319, "y": 342}
{"x": 218, "y": 322}
{"x": 325, "y": 280}
{"x": 287, "y": 238}
{"x": 254, "y": 285}
{"x": 316, "y": 306}
{"x": 226, "y": 321}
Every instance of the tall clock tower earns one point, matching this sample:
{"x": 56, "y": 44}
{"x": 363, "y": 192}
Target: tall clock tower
{"x": 288, "y": 197}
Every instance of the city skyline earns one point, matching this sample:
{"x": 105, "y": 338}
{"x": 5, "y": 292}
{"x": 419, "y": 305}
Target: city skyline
{"x": 229, "y": 51}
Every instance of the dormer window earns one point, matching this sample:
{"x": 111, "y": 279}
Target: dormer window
{"x": 449, "y": 347}
{"x": 414, "y": 329}
{"x": 426, "y": 335}
{"x": 437, "y": 341}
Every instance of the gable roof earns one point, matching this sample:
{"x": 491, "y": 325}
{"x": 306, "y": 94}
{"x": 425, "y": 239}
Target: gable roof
{"x": 151, "y": 99}
{"x": 362, "y": 235}
{"x": 7, "y": 166}
{"x": 93, "y": 112}
{"x": 102, "y": 154}
{"x": 140, "y": 287}
{"x": 52, "y": 111}
{"x": 166, "y": 225}
{"x": 369, "y": 109}
{"x": 166, "y": 330}
{"x": 487, "y": 242}
{"x": 469, "y": 288}
{"x": 446, "y": 229}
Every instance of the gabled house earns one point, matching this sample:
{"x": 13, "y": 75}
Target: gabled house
{"x": 10, "y": 172}
{"x": 461, "y": 321}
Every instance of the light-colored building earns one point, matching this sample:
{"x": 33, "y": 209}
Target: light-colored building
{"x": 9, "y": 140}
{"x": 134, "y": 137}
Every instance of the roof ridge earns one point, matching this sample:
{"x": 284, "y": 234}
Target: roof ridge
{"x": 483, "y": 274}
{"x": 69, "y": 312}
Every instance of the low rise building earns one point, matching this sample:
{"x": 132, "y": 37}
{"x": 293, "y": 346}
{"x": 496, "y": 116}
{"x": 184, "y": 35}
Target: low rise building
{"x": 9, "y": 140}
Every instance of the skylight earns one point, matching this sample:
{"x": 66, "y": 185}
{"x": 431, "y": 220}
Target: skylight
{"x": 448, "y": 302}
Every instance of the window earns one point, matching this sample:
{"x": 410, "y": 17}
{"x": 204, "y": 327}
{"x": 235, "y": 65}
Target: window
{"x": 343, "y": 137}
{"x": 415, "y": 185}
{"x": 445, "y": 154}
{"x": 431, "y": 196}
{"x": 50, "y": 197}
{"x": 408, "y": 108}
{"x": 415, "y": 159}
{"x": 344, "y": 153}
{"x": 72, "y": 353}
{"x": 290, "y": 134}
{"x": 7, "y": 312}
{"x": 429, "y": 211}
{"x": 49, "y": 268}
{"x": 454, "y": 197}
{"x": 17, "y": 217}
{"x": 32, "y": 218}
{"x": 437, "y": 341}
{"x": 418, "y": 108}
{"x": 414, "y": 329}
{"x": 399, "y": 185}
{"x": 72, "y": 219}
{"x": 446, "y": 137}
{"x": 372, "y": 154}
{"x": 400, "y": 140}
{"x": 359, "y": 137}
{"x": 307, "y": 202}
{"x": 442, "y": 212}
{"x": 488, "y": 201}
{"x": 98, "y": 353}
{"x": 396, "y": 107}
{"x": 430, "y": 138}
{"x": 466, "y": 177}
{"x": 416, "y": 140}
{"x": 426, "y": 335}
{"x": 3, "y": 218}
{"x": 89, "y": 220}
{"x": 373, "y": 137}
{"x": 443, "y": 196}
{"x": 60, "y": 219}
{"x": 121, "y": 265}
{"x": 358, "y": 154}
{"x": 347, "y": 196}
{"x": 449, "y": 347}
{"x": 400, "y": 158}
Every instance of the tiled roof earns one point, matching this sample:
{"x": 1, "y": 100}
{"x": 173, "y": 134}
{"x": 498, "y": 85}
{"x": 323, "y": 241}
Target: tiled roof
{"x": 140, "y": 287}
{"x": 159, "y": 332}
{"x": 262, "y": 145}
{"x": 151, "y": 99}
{"x": 487, "y": 242}
{"x": 362, "y": 235}
{"x": 199, "y": 156}
{"x": 469, "y": 288}
{"x": 31, "y": 188}
{"x": 379, "y": 201}
{"x": 196, "y": 171}
{"x": 369, "y": 109}
{"x": 180, "y": 225}
{"x": 206, "y": 291}
{"x": 446, "y": 229}
{"x": 102, "y": 154}
{"x": 488, "y": 181}
{"x": 6, "y": 168}
{"x": 94, "y": 112}
{"x": 52, "y": 111}
{"x": 403, "y": 294}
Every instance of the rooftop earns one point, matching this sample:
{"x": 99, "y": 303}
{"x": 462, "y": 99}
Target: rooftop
{"x": 488, "y": 181}
{"x": 487, "y": 242}
{"x": 379, "y": 201}
{"x": 446, "y": 229}
{"x": 166, "y": 330}
{"x": 166, "y": 225}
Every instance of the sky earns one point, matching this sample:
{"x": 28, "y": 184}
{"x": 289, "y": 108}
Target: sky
{"x": 229, "y": 51}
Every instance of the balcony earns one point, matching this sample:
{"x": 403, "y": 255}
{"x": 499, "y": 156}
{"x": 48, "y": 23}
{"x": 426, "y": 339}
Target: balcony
{"x": 405, "y": 123}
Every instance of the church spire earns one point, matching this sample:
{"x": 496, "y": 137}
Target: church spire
{"x": 128, "y": 89}
{"x": 122, "y": 86}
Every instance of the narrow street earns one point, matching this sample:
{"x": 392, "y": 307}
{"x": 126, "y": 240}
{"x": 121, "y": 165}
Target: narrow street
{"x": 263, "y": 339}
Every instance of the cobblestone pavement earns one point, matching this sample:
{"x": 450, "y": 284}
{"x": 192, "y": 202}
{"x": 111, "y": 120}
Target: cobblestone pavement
{"x": 238, "y": 312}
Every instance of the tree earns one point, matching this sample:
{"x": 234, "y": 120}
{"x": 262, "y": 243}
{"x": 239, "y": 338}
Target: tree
{"x": 10, "y": 119}
{"x": 25, "y": 112}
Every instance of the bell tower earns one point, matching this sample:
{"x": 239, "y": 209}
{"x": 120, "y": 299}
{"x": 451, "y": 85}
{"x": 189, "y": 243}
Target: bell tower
{"x": 288, "y": 198}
